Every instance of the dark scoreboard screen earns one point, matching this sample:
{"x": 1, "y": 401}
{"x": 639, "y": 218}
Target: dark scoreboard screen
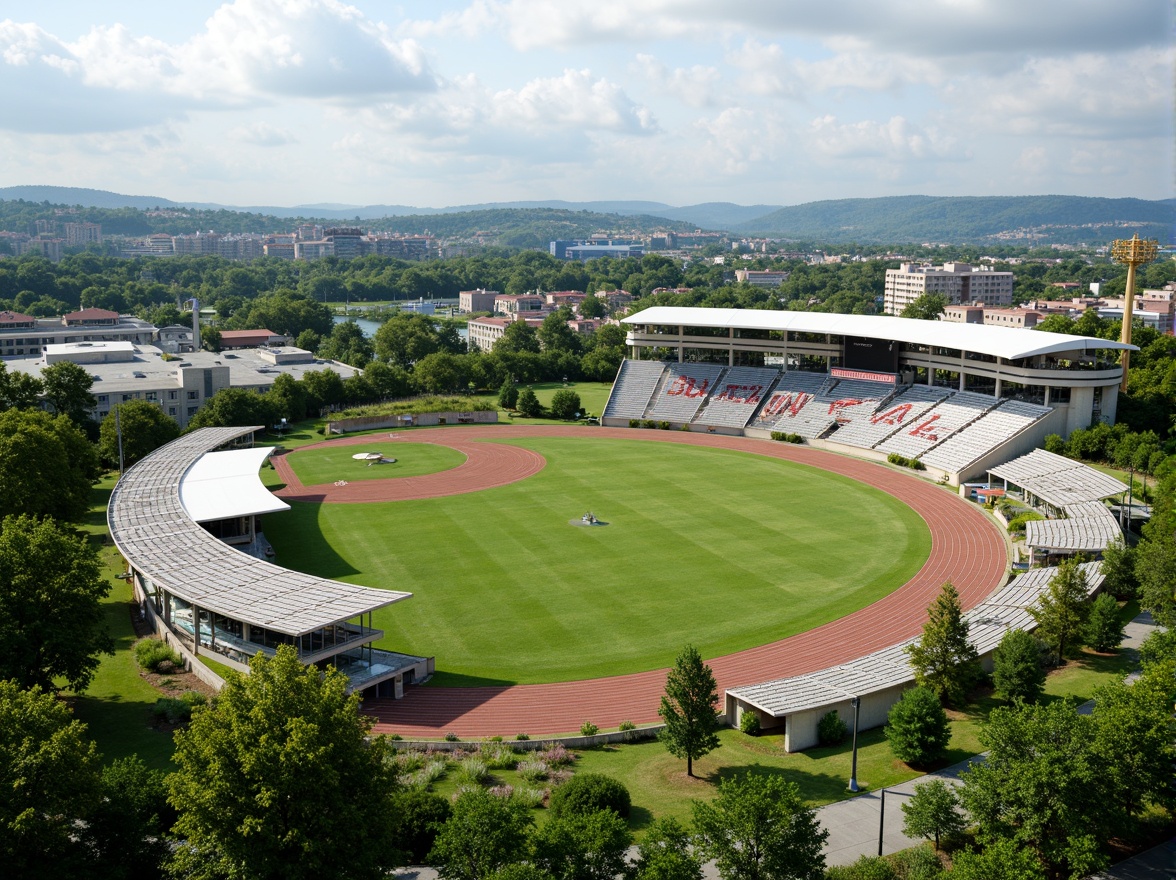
{"x": 874, "y": 355}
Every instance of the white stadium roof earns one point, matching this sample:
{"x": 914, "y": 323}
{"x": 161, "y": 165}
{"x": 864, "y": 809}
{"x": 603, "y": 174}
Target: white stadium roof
{"x": 225, "y": 484}
{"x": 1006, "y": 342}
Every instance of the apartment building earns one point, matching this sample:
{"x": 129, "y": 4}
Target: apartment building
{"x": 959, "y": 282}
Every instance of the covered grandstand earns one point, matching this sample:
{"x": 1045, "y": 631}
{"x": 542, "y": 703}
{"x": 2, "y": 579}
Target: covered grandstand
{"x": 185, "y": 518}
{"x": 957, "y": 398}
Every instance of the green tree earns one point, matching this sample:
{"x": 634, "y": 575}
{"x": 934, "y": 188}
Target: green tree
{"x": 933, "y": 812}
{"x": 49, "y": 782}
{"x": 529, "y": 404}
{"x": 51, "y": 620}
{"x": 323, "y": 388}
{"x": 277, "y": 779}
{"x": 440, "y": 373}
{"x": 1104, "y": 631}
{"x": 688, "y": 709}
{"x": 1017, "y": 670}
{"x": 565, "y": 404}
{"x": 1041, "y": 787}
{"x": 758, "y": 828}
{"x": 555, "y": 335}
{"x": 210, "y": 338}
{"x": 18, "y": 390}
{"x": 999, "y": 860}
{"x": 1061, "y": 611}
{"x": 421, "y": 814}
{"x": 1155, "y": 566}
{"x": 508, "y": 394}
{"x": 288, "y": 397}
{"x": 917, "y": 728}
{"x": 347, "y": 343}
{"x": 582, "y": 846}
{"x": 926, "y": 307}
{"x": 518, "y": 336}
{"x": 127, "y": 830}
{"x": 387, "y": 382}
{"x": 665, "y": 853}
{"x": 47, "y": 466}
{"x": 943, "y": 659}
{"x": 593, "y": 307}
{"x": 67, "y": 390}
{"x": 234, "y": 407}
{"x": 144, "y": 426}
{"x": 483, "y": 834}
{"x": 1158, "y": 647}
{"x": 1118, "y": 570}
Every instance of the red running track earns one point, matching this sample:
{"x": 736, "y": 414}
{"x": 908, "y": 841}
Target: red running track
{"x": 966, "y": 549}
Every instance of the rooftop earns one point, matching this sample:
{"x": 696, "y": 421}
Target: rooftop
{"x": 1058, "y": 480}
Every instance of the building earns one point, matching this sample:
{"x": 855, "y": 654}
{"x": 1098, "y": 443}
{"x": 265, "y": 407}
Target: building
{"x": 959, "y": 282}
{"x": 82, "y": 234}
{"x": 25, "y": 336}
{"x": 978, "y": 314}
{"x": 235, "y": 339}
{"x": 484, "y": 333}
{"x": 45, "y": 246}
{"x": 348, "y": 241}
{"x": 571, "y": 298}
{"x": 615, "y": 299}
{"x": 480, "y": 300}
{"x": 757, "y": 278}
{"x": 592, "y": 248}
{"x": 283, "y": 250}
{"x": 526, "y": 304}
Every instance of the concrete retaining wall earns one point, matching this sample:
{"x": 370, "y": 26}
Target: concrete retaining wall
{"x": 412, "y": 420}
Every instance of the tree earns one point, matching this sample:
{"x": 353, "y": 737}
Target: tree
{"x": 926, "y": 307}
{"x": 688, "y": 709}
{"x": 917, "y": 727}
{"x": 47, "y": 466}
{"x": 1104, "y": 631}
{"x": 582, "y": 846}
{"x": 484, "y": 833}
{"x": 277, "y": 779}
{"x": 1000, "y": 860}
{"x": 590, "y": 793}
{"x": 288, "y": 398}
{"x": 210, "y": 338}
{"x": 1158, "y": 647}
{"x": 128, "y": 827}
{"x": 758, "y": 828}
{"x": 387, "y": 382}
{"x": 529, "y": 404}
{"x": 933, "y": 812}
{"x": 347, "y": 343}
{"x": 48, "y": 783}
{"x": 1118, "y": 570}
{"x": 18, "y": 390}
{"x": 67, "y": 390}
{"x": 555, "y": 334}
{"x": 1061, "y": 610}
{"x": 1041, "y": 786}
{"x": 323, "y": 388}
{"x": 440, "y": 373}
{"x": 421, "y": 815}
{"x": 943, "y": 659}
{"x": 508, "y": 394}
{"x": 144, "y": 426}
{"x": 665, "y": 853}
{"x": 1017, "y": 670}
{"x": 234, "y": 407}
{"x": 1155, "y": 565}
{"x": 593, "y": 307}
{"x": 51, "y": 621}
{"x": 518, "y": 336}
{"x": 565, "y": 404}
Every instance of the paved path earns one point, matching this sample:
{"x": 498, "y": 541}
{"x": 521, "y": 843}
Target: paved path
{"x": 966, "y": 548}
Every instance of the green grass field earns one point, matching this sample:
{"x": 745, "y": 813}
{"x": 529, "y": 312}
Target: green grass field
{"x": 723, "y": 549}
{"x": 326, "y": 465}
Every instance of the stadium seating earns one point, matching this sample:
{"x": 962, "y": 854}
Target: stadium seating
{"x": 632, "y": 389}
{"x": 995, "y": 427}
{"x": 684, "y": 388}
{"x": 737, "y": 396}
{"x": 920, "y": 435}
{"x": 787, "y": 403}
{"x": 889, "y": 417}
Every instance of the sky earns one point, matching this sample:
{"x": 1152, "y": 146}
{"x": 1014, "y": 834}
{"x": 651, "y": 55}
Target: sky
{"x": 433, "y": 104}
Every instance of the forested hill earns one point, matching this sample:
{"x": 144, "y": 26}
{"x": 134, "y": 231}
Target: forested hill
{"x": 955, "y": 220}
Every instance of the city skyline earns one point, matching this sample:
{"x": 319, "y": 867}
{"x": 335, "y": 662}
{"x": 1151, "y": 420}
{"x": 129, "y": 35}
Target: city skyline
{"x": 285, "y": 102}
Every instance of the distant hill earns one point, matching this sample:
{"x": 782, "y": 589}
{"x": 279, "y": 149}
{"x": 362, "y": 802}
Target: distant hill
{"x": 959, "y": 219}
{"x": 87, "y": 198}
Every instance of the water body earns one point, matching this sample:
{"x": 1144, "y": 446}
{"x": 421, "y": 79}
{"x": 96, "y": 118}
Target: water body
{"x": 369, "y": 327}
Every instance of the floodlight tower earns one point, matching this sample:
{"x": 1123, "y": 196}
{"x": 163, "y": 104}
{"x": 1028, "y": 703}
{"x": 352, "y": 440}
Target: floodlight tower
{"x": 1133, "y": 252}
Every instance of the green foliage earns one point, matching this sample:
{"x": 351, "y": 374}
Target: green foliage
{"x": 749, "y": 723}
{"x": 47, "y": 466}
{"x": 128, "y": 829}
{"x": 1118, "y": 570}
{"x": 1155, "y": 566}
{"x": 590, "y": 792}
{"x": 902, "y": 461}
{"x": 235, "y": 407}
{"x": 247, "y": 763}
{"x": 177, "y": 710}
{"x": 51, "y": 621}
{"x": 1017, "y": 670}
{"x": 151, "y": 654}
{"x": 1158, "y": 647}
{"x": 626, "y": 725}
{"x": 831, "y": 730}
{"x": 917, "y": 728}
{"x": 665, "y": 853}
{"x": 759, "y": 827}
{"x": 483, "y": 833}
{"x": 1055, "y": 444}
{"x": 688, "y": 709}
{"x": 529, "y": 404}
{"x": 66, "y": 388}
{"x": 582, "y": 846}
{"x": 943, "y": 659}
{"x": 508, "y": 394}
{"x": 1104, "y": 632}
{"x": 49, "y": 781}
{"x": 917, "y": 863}
{"x": 565, "y": 404}
{"x": 1062, "y": 609}
{"x": 1000, "y": 860}
{"x": 933, "y": 812}
{"x": 926, "y": 307}
{"x": 589, "y": 729}
{"x": 145, "y": 427}
{"x": 1017, "y": 523}
{"x": 865, "y": 868}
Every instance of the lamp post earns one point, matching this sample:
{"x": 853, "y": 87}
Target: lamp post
{"x": 1133, "y": 252}
{"x": 853, "y": 784}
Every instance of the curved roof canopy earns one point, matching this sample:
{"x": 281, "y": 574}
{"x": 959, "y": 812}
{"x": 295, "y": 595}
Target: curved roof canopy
{"x": 225, "y": 484}
{"x": 1010, "y": 343}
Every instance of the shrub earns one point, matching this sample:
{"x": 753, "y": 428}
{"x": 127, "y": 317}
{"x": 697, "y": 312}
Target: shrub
{"x": 589, "y": 729}
{"x": 793, "y": 438}
{"x": 648, "y": 423}
{"x": 451, "y": 737}
{"x": 531, "y": 797}
{"x": 589, "y": 792}
{"x": 495, "y": 739}
{"x": 395, "y": 737}
{"x": 1018, "y": 670}
{"x": 498, "y": 757}
{"x": 749, "y": 723}
{"x": 177, "y": 710}
{"x": 420, "y": 815}
{"x": 533, "y": 771}
{"x": 902, "y": 461}
{"x": 917, "y": 727}
{"x": 529, "y": 404}
{"x": 865, "y": 868}
{"x": 779, "y": 435}
{"x": 433, "y": 771}
{"x": 627, "y": 725}
{"x": 155, "y": 656}
{"x": 831, "y": 730}
{"x": 557, "y": 755}
{"x": 502, "y": 791}
{"x": 1017, "y": 523}
{"x": 521, "y": 737}
{"x": 917, "y": 863}
{"x": 565, "y": 404}
{"x": 664, "y": 426}
{"x": 634, "y": 423}
{"x": 473, "y": 771}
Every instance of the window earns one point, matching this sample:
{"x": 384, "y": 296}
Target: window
{"x": 102, "y": 398}
{"x": 193, "y": 395}
{"x": 152, "y": 395}
{"x": 171, "y": 411}
{"x": 127, "y": 397}
{"x": 173, "y": 395}
{"x": 192, "y": 411}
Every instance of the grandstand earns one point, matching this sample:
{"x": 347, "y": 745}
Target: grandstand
{"x": 737, "y": 397}
{"x": 634, "y": 385}
{"x": 868, "y": 430}
{"x": 683, "y": 389}
{"x": 937, "y": 424}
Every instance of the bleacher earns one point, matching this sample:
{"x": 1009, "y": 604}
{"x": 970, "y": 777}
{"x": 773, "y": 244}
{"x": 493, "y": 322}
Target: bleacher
{"x": 937, "y": 424}
{"x": 902, "y": 409}
{"x": 683, "y": 389}
{"x": 634, "y": 385}
{"x": 791, "y": 407}
{"x": 737, "y": 397}
{"x": 995, "y": 427}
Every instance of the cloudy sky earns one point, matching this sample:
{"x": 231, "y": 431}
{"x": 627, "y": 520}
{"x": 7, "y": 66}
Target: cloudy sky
{"x": 284, "y": 102}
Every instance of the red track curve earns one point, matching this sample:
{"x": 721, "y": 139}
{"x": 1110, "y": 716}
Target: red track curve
{"x": 966, "y": 549}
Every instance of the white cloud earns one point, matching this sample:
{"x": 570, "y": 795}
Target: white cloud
{"x": 263, "y": 134}
{"x": 895, "y": 140}
{"x": 695, "y": 85}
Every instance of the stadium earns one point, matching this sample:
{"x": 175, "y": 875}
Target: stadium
{"x": 179, "y": 516}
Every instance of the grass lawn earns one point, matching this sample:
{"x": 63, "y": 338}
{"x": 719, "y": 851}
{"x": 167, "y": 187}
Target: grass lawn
{"x": 593, "y": 397}
{"x": 315, "y": 466}
{"x": 723, "y": 549}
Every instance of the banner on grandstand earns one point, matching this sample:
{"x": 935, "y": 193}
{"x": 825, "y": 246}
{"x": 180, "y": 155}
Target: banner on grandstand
{"x": 866, "y": 375}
